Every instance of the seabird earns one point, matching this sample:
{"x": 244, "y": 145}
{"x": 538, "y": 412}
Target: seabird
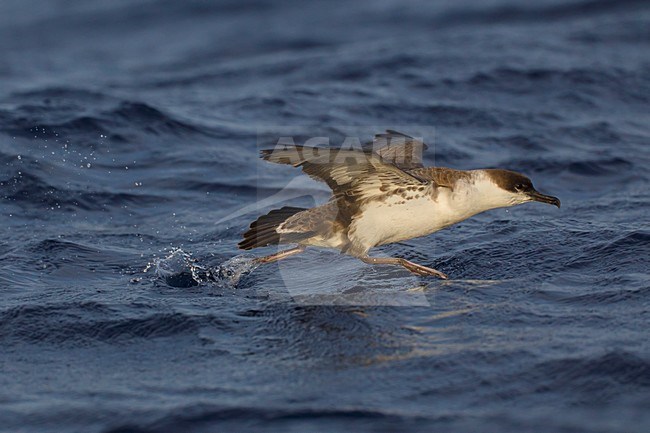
{"x": 381, "y": 194}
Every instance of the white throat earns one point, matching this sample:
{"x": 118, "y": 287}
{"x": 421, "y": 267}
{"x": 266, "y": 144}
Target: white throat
{"x": 479, "y": 194}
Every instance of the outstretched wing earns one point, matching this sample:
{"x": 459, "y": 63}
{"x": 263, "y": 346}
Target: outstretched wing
{"x": 441, "y": 176}
{"x": 399, "y": 149}
{"x": 356, "y": 175}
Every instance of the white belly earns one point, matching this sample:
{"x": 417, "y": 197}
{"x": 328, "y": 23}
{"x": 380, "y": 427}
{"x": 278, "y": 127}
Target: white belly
{"x": 397, "y": 219}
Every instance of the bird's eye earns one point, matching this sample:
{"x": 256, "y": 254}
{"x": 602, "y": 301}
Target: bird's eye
{"x": 519, "y": 186}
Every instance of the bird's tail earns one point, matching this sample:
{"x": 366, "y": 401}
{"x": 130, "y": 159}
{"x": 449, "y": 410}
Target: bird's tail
{"x": 262, "y": 232}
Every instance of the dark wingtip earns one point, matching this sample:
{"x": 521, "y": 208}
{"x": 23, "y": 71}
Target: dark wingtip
{"x": 244, "y": 246}
{"x": 265, "y": 153}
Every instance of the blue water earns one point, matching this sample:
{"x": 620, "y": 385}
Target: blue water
{"x": 129, "y": 133}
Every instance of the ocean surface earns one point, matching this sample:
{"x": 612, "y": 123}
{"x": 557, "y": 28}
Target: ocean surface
{"x": 129, "y": 138}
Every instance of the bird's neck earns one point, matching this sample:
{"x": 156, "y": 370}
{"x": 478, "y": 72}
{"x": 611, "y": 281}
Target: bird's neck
{"x": 480, "y": 193}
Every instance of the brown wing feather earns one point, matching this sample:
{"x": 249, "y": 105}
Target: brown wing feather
{"x": 441, "y": 176}
{"x": 398, "y": 149}
{"x": 352, "y": 174}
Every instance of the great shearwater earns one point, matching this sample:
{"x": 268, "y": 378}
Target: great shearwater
{"x": 382, "y": 194}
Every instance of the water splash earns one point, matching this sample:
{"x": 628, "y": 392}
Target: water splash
{"x": 180, "y": 269}
{"x": 231, "y": 271}
{"x": 177, "y": 269}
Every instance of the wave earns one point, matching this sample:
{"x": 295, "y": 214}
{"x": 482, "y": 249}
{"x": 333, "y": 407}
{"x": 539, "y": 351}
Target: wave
{"x": 203, "y": 415}
{"x": 587, "y": 373}
{"x": 140, "y": 114}
{"x": 603, "y": 167}
{"x": 579, "y": 85}
{"x": 626, "y": 252}
{"x": 81, "y": 322}
{"x": 531, "y": 142}
{"x": 539, "y": 13}
{"x": 68, "y": 112}
{"x": 432, "y": 114}
{"x": 61, "y": 260}
{"x": 28, "y": 190}
{"x": 55, "y": 94}
{"x": 606, "y": 297}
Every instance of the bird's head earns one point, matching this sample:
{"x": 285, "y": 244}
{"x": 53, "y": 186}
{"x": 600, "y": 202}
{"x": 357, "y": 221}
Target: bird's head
{"x": 517, "y": 188}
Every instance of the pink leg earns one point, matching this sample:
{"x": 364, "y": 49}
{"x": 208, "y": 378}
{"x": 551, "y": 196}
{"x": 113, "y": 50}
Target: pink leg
{"x": 281, "y": 255}
{"x": 413, "y": 267}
